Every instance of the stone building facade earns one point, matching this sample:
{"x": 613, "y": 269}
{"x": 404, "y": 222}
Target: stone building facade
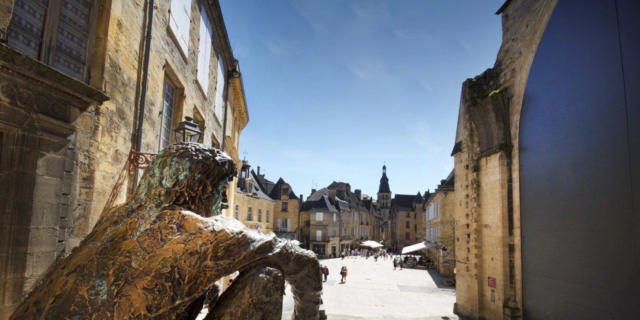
{"x": 546, "y": 164}
{"x": 321, "y": 223}
{"x": 407, "y": 213}
{"x": 487, "y": 208}
{"x": 265, "y": 205}
{"x": 335, "y": 219}
{"x": 79, "y": 92}
{"x": 440, "y": 230}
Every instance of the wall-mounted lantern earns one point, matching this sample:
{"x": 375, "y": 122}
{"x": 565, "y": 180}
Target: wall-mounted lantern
{"x": 187, "y": 131}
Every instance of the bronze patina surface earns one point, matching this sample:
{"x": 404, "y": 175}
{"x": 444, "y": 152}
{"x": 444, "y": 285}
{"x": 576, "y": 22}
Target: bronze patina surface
{"x": 157, "y": 255}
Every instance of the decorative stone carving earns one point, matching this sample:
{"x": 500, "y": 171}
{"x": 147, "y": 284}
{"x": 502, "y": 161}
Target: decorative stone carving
{"x": 158, "y": 255}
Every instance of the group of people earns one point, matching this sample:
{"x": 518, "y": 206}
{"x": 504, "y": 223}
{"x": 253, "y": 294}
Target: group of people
{"x": 343, "y": 273}
{"x": 365, "y": 253}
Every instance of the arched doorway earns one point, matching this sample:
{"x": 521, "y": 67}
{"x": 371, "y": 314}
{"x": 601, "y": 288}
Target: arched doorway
{"x": 580, "y": 165}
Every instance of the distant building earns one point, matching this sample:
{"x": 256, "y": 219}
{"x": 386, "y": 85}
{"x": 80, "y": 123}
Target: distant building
{"x": 264, "y": 205}
{"x": 406, "y": 212}
{"x": 337, "y": 219}
{"x": 384, "y": 205}
{"x": 440, "y": 229}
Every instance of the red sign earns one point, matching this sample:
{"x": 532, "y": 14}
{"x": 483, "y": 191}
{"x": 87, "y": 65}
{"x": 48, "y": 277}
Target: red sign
{"x": 491, "y": 282}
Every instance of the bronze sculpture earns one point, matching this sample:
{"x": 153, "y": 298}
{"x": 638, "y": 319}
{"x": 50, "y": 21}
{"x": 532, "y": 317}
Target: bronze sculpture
{"x": 159, "y": 254}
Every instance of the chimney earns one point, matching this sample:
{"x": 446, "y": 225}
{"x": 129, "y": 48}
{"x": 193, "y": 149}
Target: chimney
{"x": 301, "y": 198}
{"x": 313, "y": 191}
{"x": 358, "y": 193}
{"x": 258, "y": 170}
{"x": 332, "y": 194}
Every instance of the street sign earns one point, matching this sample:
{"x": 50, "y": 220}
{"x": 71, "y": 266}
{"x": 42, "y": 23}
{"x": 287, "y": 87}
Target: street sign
{"x": 491, "y": 282}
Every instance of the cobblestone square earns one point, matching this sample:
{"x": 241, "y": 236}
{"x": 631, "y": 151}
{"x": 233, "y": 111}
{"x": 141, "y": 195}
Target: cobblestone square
{"x": 373, "y": 290}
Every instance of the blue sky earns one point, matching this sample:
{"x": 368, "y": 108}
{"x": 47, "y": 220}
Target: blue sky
{"x": 336, "y": 89}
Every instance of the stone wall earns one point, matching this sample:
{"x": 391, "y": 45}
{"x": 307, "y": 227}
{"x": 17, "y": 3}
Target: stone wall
{"x": 488, "y": 251}
{"x": 444, "y": 221}
{"x": 245, "y": 201}
{"x": 67, "y": 183}
{"x": 292, "y": 213}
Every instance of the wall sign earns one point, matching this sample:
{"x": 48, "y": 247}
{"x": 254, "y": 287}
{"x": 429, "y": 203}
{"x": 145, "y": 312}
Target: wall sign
{"x": 491, "y": 282}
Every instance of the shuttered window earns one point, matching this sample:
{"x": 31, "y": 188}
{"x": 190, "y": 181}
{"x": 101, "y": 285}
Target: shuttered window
{"x": 204, "y": 50}
{"x": 57, "y": 32}
{"x": 218, "y": 102}
{"x": 168, "y": 106}
{"x": 179, "y": 23}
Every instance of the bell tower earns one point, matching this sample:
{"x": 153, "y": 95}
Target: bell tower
{"x": 384, "y": 193}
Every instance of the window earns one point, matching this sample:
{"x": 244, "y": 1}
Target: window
{"x": 284, "y": 223}
{"x": 249, "y": 214}
{"x": 168, "y": 107}
{"x": 319, "y": 216}
{"x": 335, "y": 217}
{"x": 415, "y": 227}
{"x": 259, "y": 215}
{"x": 318, "y": 235}
{"x": 407, "y": 236}
{"x": 408, "y": 215}
{"x": 217, "y": 107}
{"x": 266, "y": 217}
{"x": 237, "y": 209}
{"x": 285, "y": 206}
{"x": 408, "y": 225}
{"x": 204, "y": 50}
{"x": 180, "y": 23}
{"x": 60, "y": 37}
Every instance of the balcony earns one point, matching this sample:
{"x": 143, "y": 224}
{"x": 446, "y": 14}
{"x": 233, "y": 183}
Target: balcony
{"x": 319, "y": 223}
{"x": 319, "y": 239}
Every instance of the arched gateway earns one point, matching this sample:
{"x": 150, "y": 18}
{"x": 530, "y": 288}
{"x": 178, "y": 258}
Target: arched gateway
{"x": 580, "y": 165}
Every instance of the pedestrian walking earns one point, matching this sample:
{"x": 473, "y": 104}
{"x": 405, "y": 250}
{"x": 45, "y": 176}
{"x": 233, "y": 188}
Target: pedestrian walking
{"x": 395, "y": 264}
{"x": 343, "y": 273}
{"x": 325, "y": 272}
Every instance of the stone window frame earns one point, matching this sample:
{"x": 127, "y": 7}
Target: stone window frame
{"x": 237, "y": 211}
{"x": 266, "y": 216}
{"x": 178, "y": 103}
{"x": 249, "y": 214}
{"x": 285, "y": 206}
{"x": 259, "y": 215}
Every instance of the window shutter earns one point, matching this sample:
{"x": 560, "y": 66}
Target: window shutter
{"x": 204, "y": 50}
{"x": 217, "y": 107}
{"x": 179, "y": 22}
{"x": 70, "y": 55}
{"x": 26, "y": 26}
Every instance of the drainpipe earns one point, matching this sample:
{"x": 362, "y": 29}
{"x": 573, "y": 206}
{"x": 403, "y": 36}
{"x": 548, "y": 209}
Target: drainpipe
{"x": 226, "y": 101}
{"x": 143, "y": 87}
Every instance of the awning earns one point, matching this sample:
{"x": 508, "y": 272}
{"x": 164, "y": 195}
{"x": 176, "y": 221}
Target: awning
{"x": 371, "y": 244}
{"x": 416, "y": 247}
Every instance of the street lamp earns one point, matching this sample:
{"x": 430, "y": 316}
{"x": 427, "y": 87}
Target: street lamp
{"x": 187, "y": 131}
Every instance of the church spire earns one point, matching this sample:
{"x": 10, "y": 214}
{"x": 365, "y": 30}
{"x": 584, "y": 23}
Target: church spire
{"x": 384, "y": 181}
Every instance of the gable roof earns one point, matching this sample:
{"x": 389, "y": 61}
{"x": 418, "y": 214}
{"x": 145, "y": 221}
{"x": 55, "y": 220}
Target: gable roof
{"x": 403, "y": 201}
{"x": 276, "y": 190}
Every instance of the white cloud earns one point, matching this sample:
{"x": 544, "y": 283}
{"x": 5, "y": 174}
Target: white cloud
{"x": 425, "y": 137}
{"x": 424, "y": 84}
{"x": 369, "y": 69}
{"x": 281, "y": 47}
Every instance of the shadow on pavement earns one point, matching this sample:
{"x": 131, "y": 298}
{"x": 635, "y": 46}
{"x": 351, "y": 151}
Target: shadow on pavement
{"x": 440, "y": 281}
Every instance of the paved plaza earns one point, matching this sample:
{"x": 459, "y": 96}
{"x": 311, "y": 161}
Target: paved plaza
{"x": 375, "y": 291}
